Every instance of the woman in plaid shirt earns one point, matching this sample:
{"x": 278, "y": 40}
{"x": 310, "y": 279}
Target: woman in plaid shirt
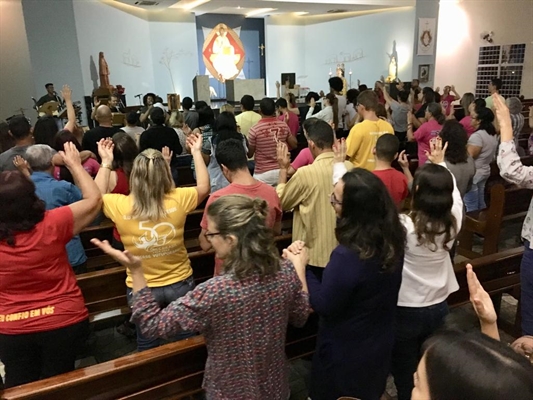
{"x": 243, "y": 313}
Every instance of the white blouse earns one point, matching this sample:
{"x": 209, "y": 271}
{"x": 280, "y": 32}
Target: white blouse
{"x": 428, "y": 277}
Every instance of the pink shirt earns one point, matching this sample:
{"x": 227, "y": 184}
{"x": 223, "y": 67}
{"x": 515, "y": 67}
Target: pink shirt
{"x": 447, "y": 102}
{"x": 259, "y": 189}
{"x": 293, "y": 122}
{"x": 90, "y": 165}
{"x": 467, "y": 124}
{"x": 264, "y": 136}
{"x": 305, "y": 157}
{"x": 423, "y": 135}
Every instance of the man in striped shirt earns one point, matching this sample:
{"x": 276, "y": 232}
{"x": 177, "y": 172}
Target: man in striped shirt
{"x": 263, "y": 138}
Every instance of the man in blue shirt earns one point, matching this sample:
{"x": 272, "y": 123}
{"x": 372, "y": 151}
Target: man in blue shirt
{"x": 55, "y": 194}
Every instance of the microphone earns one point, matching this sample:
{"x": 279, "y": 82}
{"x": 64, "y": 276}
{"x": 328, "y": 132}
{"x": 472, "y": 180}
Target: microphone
{"x": 138, "y": 95}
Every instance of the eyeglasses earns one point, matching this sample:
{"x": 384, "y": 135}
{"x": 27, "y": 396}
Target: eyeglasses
{"x": 210, "y": 235}
{"x": 333, "y": 200}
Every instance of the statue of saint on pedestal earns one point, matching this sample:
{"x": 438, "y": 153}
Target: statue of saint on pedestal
{"x": 340, "y": 74}
{"x": 104, "y": 71}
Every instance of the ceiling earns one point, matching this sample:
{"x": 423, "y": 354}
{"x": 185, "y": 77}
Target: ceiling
{"x": 261, "y": 8}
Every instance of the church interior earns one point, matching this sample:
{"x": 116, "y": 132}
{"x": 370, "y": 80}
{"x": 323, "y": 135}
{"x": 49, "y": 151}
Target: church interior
{"x": 266, "y": 199}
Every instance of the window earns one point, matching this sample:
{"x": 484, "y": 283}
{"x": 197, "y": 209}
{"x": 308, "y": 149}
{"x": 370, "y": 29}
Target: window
{"x": 505, "y": 62}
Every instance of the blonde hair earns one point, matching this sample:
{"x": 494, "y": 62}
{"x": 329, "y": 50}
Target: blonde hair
{"x": 244, "y": 218}
{"x": 228, "y": 108}
{"x": 176, "y": 119}
{"x": 150, "y": 182}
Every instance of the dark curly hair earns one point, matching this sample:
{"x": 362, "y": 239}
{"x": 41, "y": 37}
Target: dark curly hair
{"x": 455, "y": 135}
{"x": 369, "y": 223}
{"x": 21, "y": 208}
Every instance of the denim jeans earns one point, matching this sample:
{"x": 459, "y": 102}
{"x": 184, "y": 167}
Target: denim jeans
{"x": 475, "y": 198}
{"x": 163, "y": 295}
{"x": 412, "y": 327}
{"x": 526, "y": 285}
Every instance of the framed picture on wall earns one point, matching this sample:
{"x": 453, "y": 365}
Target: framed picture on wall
{"x": 423, "y": 73}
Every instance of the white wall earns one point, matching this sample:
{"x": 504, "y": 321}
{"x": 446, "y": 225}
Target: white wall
{"x": 458, "y": 42}
{"x": 125, "y": 41}
{"x": 53, "y": 45}
{"x": 284, "y": 52}
{"x": 177, "y": 40}
{"x": 16, "y": 79}
{"x": 372, "y": 34}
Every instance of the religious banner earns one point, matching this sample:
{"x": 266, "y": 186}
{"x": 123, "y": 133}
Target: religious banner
{"x": 426, "y": 36}
{"x": 223, "y": 53}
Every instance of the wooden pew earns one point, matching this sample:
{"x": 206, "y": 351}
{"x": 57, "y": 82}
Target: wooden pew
{"x": 105, "y": 291}
{"x": 486, "y": 223}
{"x": 175, "y": 370}
{"x": 506, "y": 202}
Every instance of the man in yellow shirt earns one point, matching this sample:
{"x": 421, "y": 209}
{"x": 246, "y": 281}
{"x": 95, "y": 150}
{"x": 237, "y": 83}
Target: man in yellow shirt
{"x": 309, "y": 193}
{"x": 364, "y": 135}
{"x": 248, "y": 117}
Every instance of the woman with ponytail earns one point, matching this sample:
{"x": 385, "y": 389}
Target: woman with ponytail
{"x": 427, "y": 131}
{"x": 243, "y": 313}
{"x": 330, "y": 112}
{"x": 482, "y": 146}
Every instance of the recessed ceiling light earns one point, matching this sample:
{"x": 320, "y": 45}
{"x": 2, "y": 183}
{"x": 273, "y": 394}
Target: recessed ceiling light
{"x": 259, "y": 11}
{"x": 189, "y": 4}
{"x": 301, "y": 13}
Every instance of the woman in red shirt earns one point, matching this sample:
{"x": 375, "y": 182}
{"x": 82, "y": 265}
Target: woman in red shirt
{"x": 124, "y": 152}
{"x": 43, "y": 319}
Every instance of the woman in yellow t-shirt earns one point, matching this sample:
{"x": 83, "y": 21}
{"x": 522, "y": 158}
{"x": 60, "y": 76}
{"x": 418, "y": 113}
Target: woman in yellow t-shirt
{"x": 151, "y": 221}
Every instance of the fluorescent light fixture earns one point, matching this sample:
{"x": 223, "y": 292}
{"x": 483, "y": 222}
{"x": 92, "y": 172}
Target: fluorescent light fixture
{"x": 189, "y": 4}
{"x": 259, "y": 11}
{"x": 298, "y": 13}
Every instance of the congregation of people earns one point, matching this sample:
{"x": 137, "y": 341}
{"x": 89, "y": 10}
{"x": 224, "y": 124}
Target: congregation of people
{"x": 373, "y": 240}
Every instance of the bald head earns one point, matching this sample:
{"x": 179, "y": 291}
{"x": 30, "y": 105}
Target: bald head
{"x": 103, "y": 115}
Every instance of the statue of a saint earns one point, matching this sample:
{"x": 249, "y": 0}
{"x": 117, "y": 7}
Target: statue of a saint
{"x": 340, "y": 74}
{"x": 223, "y": 56}
{"x": 104, "y": 71}
{"x": 393, "y": 70}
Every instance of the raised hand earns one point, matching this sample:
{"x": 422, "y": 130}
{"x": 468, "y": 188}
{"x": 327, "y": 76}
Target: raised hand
{"x": 501, "y": 109}
{"x": 167, "y": 154}
{"x": 194, "y": 143}
{"x": 97, "y": 102}
{"x": 105, "y": 150}
{"x": 339, "y": 150}
{"x": 278, "y": 85}
{"x": 403, "y": 160}
{"x": 124, "y": 257}
{"x": 437, "y": 151}
{"x": 70, "y": 155}
{"x": 22, "y": 165}
{"x": 66, "y": 93}
{"x": 381, "y": 80}
{"x": 312, "y": 102}
{"x": 437, "y": 89}
{"x": 283, "y": 155}
{"x": 480, "y": 299}
{"x": 452, "y": 88}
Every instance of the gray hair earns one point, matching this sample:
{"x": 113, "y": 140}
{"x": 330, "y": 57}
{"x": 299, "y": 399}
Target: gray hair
{"x": 514, "y": 104}
{"x": 39, "y": 156}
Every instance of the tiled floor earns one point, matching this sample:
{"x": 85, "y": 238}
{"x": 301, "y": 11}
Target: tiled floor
{"x": 107, "y": 344}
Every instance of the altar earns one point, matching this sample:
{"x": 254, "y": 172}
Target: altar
{"x": 237, "y": 88}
